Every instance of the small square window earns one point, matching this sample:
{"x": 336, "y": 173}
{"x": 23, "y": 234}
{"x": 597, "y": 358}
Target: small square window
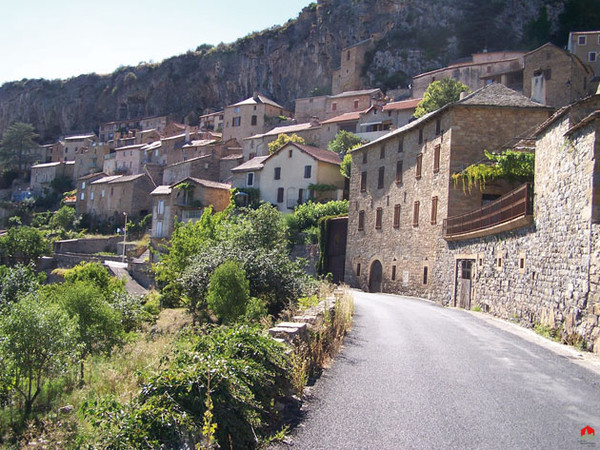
{"x": 592, "y": 57}
{"x": 253, "y": 120}
{"x": 582, "y": 40}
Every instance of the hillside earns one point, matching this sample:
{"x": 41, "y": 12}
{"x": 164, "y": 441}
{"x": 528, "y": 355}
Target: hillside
{"x": 285, "y": 62}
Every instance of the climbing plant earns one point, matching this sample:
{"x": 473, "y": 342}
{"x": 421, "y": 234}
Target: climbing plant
{"x": 509, "y": 165}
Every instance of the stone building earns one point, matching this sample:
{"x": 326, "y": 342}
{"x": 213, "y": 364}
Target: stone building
{"x": 288, "y": 177}
{"x": 349, "y": 76}
{"x": 42, "y": 175}
{"x": 254, "y": 115}
{"x": 328, "y": 106}
{"x": 505, "y": 67}
{"x": 185, "y": 201}
{"x": 83, "y": 190}
{"x": 401, "y": 187}
{"x": 401, "y": 112}
{"x": 555, "y": 77}
{"x": 586, "y": 45}
{"x": 111, "y": 196}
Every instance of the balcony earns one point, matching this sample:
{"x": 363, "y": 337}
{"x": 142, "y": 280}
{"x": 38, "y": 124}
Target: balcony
{"x": 511, "y": 211}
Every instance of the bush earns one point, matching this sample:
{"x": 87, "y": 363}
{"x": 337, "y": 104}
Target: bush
{"x": 16, "y": 282}
{"x": 228, "y": 291}
{"x": 307, "y": 215}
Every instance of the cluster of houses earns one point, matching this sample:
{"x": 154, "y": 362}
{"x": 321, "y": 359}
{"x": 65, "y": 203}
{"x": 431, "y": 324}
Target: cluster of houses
{"x": 529, "y": 251}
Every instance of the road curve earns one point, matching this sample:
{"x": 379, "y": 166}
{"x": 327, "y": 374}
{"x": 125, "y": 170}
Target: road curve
{"x": 415, "y": 375}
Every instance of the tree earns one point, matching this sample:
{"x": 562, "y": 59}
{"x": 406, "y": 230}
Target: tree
{"x": 440, "y": 93}
{"x": 65, "y": 219}
{"x": 16, "y": 282}
{"x": 98, "y": 275}
{"x": 23, "y": 244}
{"x": 17, "y": 138}
{"x": 283, "y": 139}
{"x": 344, "y": 141}
{"x": 38, "y": 341}
{"x": 98, "y": 323}
{"x": 228, "y": 291}
{"x": 346, "y": 165}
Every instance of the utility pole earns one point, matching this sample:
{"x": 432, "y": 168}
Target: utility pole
{"x": 124, "y": 235}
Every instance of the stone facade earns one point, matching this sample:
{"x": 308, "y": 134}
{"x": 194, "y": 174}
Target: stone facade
{"x": 42, "y": 175}
{"x": 586, "y": 45}
{"x": 328, "y": 106}
{"x": 555, "y": 77}
{"x": 349, "y": 76}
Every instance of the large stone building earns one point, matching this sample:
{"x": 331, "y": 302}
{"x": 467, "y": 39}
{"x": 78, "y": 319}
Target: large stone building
{"x": 401, "y": 187}
{"x": 349, "y": 76}
{"x": 328, "y": 106}
{"x": 254, "y": 115}
{"x": 586, "y": 45}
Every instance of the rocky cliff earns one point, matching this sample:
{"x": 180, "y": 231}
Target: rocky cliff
{"x": 283, "y": 62}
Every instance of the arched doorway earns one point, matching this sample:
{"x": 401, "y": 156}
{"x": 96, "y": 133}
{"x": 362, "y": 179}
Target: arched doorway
{"x": 375, "y": 276}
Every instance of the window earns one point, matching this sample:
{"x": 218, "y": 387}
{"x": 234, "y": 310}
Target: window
{"x": 420, "y": 135}
{"x": 397, "y": 215}
{"x": 592, "y": 57}
{"x": 438, "y": 127}
{"x": 361, "y": 220}
{"x": 159, "y": 229}
{"x": 290, "y": 153}
{"x": 348, "y": 55}
{"x": 279, "y": 195}
{"x": 416, "y": 214}
{"x": 434, "y": 205}
{"x": 582, "y": 40}
{"x": 364, "y": 157}
{"x": 307, "y": 171}
{"x": 82, "y": 196}
{"x": 250, "y": 179}
{"x": 436, "y": 158}
{"x": 378, "y": 218}
{"x": 92, "y": 195}
{"x": 419, "y": 165}
{"x": 393, "y": 273}
{"x": 253, "y": 120}
{"x": 83, "y": 185}
{"x": 401, "y": 144}
{"x": 358, "y": 270}
{"x": 300, "y": 196}
{"x": 548, "y": 74}
{"x": 277, "y": 174}
{"x": 161, "y": 207}
{"x": 102, "y": 193}
{"x": 380, "y": 177}
{"x": 363, "y": 181}
{"x": 382, "y": 152}
{"x": 355, "y": 104}
{"x": 425, "y": 273}
{"x": 334, "y": 106}
{"x": 398, "y": 172}
{"x": 236, "y": 121}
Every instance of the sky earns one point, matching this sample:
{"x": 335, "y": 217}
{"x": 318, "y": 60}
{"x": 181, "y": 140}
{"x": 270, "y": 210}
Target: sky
{"x": 65, "y": 38}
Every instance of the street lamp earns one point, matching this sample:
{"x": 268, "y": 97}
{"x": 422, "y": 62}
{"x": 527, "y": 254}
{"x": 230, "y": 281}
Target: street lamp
{"x": 124, "y": 235}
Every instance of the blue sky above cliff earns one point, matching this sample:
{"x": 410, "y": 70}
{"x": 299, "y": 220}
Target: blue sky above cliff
{"x": 65, "y": 38}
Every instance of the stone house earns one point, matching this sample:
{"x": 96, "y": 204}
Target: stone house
{"x": 401, "y": 188}
{"x": 212, "y": 121}
{"x": 258, "y": 145}
{"x": 555, "y": 77}
{"x": 114, "y": 130}
{"x": 346, "y": 122}
{"x": 254, "y": 115}
{"x": 72, "y": 145}
{"x": 111, "y": 196}
{"x": 544, "y": 271}
{"x": 128, "y": 160}
{"x": 349, "y": 76}
{"x": 506, "y": 66}
{"x": 373, "y": 123}
{"x": 83, "y": 190}
{"x": 292, "y": 175}
{"x": 42, "y": 175}
{"x": 56, "y": 151}
{"x": 89, "y": 159}
{"x": 185, "y": 201}
{"x": 328, "y": 106}
{"x": 586, "y": 45}
{"x": 401, "y": 112}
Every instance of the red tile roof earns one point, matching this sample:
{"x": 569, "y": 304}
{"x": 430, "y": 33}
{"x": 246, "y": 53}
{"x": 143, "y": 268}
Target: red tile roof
{"x": 410, "y": 103}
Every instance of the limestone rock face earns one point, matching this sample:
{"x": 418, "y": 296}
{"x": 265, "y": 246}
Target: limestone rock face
{"x": 284, "y": 62}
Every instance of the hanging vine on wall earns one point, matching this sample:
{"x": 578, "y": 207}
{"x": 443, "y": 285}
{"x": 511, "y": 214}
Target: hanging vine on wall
{"x": 509, "y": 165}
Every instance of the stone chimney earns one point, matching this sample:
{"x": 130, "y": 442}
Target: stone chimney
{"x": 314, "y": 121}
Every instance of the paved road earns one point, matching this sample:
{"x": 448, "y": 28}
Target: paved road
{"x": 415, "y": 375}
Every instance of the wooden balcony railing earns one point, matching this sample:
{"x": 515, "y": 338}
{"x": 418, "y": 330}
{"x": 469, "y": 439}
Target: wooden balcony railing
{"x": 514, "y": 205}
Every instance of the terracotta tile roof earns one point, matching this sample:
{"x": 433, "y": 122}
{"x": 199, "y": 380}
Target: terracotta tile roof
{"x": 258, "y": 100}
{"x": 355, "y": 93}
{"x": 346, "y": 117}
{"x": 410, "y": 103}
{"x": 255, "y": 163}
{"x": 319, "y": 154}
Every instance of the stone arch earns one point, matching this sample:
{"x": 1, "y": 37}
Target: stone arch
{"x": 375, "y": 276}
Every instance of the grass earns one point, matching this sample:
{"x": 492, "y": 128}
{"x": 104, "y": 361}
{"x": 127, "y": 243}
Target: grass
{"x": 547, "y": 332}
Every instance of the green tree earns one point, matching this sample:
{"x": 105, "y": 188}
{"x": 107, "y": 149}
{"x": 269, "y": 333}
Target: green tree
{"x": 440, "y": 93}
{"x": 38, "y": 341}
{"x": 228, "y": 291}
{"x": 23, "y": 244}
{"x": 16, "y": 282}
{"x": 98, "y": 275}
{"x": 65, "y": 219}
{"x": 346, "y": 165}
{"x": 18, "y": 138}
{"x": 98, "y": 323}
{"x": 283, "y": 139}
{"x": 344, "y": 141}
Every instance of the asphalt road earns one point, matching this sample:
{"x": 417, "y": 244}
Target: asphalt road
{"x": 415, "y": 375}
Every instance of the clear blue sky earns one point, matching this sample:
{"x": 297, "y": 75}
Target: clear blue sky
{"x": 64, "y": 38}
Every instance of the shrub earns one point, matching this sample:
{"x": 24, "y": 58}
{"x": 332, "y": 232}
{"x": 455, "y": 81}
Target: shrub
{"x": 228, "y": 291}
{"x": 307, "y": 216}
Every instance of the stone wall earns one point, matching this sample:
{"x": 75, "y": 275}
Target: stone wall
{"x": 89, "y": 245}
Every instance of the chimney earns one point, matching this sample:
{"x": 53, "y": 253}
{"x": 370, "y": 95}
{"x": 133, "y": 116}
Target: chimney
{"x": 314, "y": 121}
{"x": 187, "y": 133}
{"x": 463, "y": 95}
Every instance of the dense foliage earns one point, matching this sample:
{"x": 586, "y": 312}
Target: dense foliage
{"x": 344, "y": 141}
{"x": 228, "y": 291}
{"x": 306, "y": 217}
{"x": 16, "y": 140}
{"x": 283, "y": 139}
{"x": 509, "y": 165}
{"x": 438, "y": 94}
{"x": 23, "y": 244}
